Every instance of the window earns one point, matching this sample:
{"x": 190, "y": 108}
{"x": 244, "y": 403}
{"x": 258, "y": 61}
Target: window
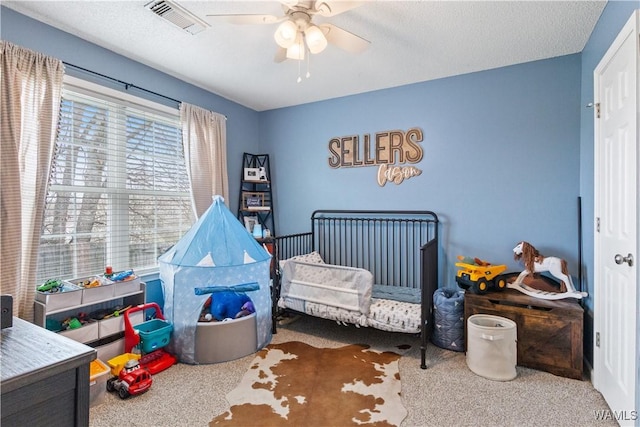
{"x": 118, "y": 191}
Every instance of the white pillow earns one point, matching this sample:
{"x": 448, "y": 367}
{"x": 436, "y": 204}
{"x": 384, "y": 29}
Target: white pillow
{"x": 313, "y": 258}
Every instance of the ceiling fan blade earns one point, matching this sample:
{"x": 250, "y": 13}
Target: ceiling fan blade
{"x": 281, "y": 55}
{"x": 333, "y": 8}
{"x": 344, "y": 39}
{"x": 289, "y": 3}
{"x": 249, "y": 19}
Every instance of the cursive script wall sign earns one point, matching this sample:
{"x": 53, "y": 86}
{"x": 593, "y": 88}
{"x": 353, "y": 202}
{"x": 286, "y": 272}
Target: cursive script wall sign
{"x": 389, "y": 150}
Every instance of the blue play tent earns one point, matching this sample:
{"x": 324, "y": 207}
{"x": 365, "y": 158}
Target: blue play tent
{"x": 216, "y": 253}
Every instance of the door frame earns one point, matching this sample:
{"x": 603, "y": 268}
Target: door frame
{"x": 631, "y": 26}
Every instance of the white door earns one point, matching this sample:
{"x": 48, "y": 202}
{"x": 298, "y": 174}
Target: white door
{"x": 616, "y": 228}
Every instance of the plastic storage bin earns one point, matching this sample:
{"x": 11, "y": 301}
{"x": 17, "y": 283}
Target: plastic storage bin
{"x": 154, "y": 334}
{"x": 97, "y": 382}
{"x": 491, "y": 347}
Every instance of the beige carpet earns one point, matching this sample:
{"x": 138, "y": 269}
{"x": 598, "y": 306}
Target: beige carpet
{"x": 445, "y": 394}
{"x": 294, "y": 384}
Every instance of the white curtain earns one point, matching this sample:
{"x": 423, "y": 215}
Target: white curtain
{"x": 31, "y": 85}
{"x": 204, "y": 136}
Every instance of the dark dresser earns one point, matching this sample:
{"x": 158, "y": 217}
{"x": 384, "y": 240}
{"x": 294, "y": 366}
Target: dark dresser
{"x": 45, "y": 378}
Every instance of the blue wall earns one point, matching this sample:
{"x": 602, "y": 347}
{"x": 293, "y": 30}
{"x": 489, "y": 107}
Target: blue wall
{"x": 242, "y": 122}
{"x": 501, "y": 158}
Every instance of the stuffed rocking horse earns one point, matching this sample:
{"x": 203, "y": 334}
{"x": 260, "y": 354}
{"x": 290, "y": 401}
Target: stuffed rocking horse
{"x": 534, "y": 262}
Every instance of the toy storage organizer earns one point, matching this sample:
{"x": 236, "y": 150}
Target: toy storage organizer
{"x": 105, "y": 335}
{"x": 216, "y": 254}
{"x": 549, "y": 332}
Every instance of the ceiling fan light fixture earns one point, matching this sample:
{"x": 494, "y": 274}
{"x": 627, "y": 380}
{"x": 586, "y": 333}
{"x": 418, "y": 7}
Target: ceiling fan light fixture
{"x": 296, "y": 50}
{"x": 316, "y": 41}
{"x": 286, "y": 34}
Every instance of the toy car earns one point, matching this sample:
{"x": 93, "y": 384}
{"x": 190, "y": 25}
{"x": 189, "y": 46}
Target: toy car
{"x": 131, "y": 381}
{"x": 480, "y": 276}
{"x": 51, "y": 285}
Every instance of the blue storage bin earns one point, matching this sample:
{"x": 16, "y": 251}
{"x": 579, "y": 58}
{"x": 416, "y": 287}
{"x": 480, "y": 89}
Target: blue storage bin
{"x": 154, "y": 334}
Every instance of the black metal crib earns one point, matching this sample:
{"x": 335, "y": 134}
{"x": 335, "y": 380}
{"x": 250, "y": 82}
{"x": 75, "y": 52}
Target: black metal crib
{"x": 400, "y": 249}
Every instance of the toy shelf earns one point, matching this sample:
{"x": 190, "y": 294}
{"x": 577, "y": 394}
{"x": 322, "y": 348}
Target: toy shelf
{"x": 93, "y": 333}
{"x": 80, "y": 306}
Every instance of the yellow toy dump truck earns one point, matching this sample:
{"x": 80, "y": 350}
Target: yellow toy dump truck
{"x": 479, "y": 276}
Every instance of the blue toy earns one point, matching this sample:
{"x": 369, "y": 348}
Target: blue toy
{"x": 228, "y": 304}
{"x": 121, "y": 276}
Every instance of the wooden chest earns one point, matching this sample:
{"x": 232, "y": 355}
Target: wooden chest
{"x": 549, "y": 332}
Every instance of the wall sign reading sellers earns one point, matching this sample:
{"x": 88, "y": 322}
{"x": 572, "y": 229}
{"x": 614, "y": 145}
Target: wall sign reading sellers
{"x": 389, "y": 150}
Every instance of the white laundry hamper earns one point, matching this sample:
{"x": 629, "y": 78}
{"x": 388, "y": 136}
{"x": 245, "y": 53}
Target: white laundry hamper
{"x": 491, "y": 347}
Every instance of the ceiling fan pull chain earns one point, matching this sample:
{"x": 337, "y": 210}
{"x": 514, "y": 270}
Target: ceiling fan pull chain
{"x": 308, "y": 60}
{"x": 299, "y": 78}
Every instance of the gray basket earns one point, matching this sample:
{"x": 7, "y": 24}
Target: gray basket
{"x": 448, "y": 314}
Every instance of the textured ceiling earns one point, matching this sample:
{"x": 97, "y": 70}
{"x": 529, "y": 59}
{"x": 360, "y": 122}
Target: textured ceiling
{"x": 411, "y": 41}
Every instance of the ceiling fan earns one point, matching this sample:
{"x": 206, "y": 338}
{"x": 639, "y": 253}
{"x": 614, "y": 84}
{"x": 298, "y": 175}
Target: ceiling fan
{"x": 297, "y": 33}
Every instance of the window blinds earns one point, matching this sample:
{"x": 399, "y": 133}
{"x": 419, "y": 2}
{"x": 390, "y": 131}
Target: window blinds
{"x": 118, "y": 191}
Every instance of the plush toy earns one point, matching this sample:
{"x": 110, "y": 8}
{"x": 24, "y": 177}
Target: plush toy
{"x": 246, "y": 310}
{"x": 227, "y": 304}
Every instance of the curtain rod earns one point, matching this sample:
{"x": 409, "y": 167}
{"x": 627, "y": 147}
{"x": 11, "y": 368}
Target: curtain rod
{"x": 126, "y": 85}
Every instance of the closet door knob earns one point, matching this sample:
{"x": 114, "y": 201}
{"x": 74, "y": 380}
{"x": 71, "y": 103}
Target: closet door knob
{"x": 619, "y": 259}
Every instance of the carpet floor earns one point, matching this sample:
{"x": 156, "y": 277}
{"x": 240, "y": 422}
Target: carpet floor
{"x": 445, "y": 394}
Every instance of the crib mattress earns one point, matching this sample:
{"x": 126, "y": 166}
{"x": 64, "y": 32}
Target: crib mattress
{"x": 394, "y": 316}
{"x": 385, "y": 314}
{"x": 348, "y": 295}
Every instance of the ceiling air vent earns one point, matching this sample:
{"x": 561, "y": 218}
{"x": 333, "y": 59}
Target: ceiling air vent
{"x": 177, "y": 15}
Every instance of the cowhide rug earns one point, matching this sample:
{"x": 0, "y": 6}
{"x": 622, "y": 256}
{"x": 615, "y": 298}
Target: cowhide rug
{"x": 295, "y": 384}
